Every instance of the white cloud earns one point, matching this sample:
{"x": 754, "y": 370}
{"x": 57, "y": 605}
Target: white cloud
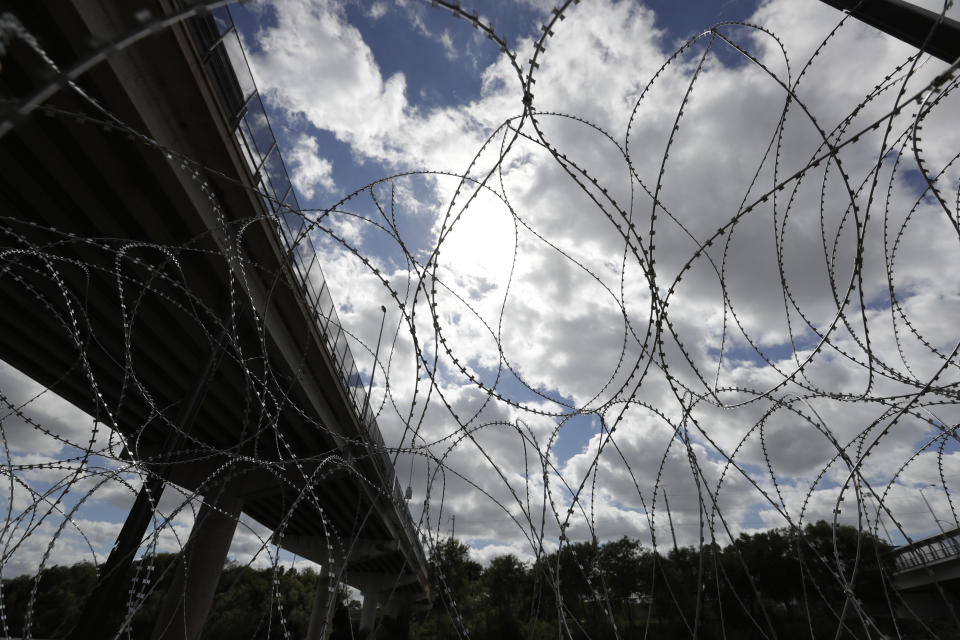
{"x": 377, "y": 10}
{"x": 561, "y": 326}
{"x": 346, "y": 93}
{"x": 36, "y": 420}
{"x": 448, "y": 47}
{"x": 309, "y": 169}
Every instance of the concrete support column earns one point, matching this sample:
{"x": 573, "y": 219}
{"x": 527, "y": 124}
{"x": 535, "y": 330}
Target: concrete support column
{"x": 324, "y": 603}
{"x": 187, "y": 602}
{"x": 104, "y": 608}
{"x": 396, "y": 618}
{"x": 368, "y": 614}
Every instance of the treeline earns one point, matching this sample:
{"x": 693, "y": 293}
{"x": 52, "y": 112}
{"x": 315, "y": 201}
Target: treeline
{"x": 774, "y": 584}
{"x": 246, "y": 604}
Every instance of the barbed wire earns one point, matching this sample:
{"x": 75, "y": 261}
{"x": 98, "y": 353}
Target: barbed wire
{"x": 830, "y": 400}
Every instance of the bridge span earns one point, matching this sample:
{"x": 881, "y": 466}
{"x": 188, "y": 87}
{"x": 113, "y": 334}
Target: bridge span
{"x": 927, "y": 577}
{"x": 155, "y": 275}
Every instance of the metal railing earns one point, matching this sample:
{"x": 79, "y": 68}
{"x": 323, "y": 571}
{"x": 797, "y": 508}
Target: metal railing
{"x": 225, "y": 64}
{"x": 938, "y": 548}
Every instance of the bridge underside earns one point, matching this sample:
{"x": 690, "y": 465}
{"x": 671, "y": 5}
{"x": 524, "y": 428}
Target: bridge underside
{"x": 927, "y": 580}
{"x": 144, "y": 282}
{"x": 934, "y": 601}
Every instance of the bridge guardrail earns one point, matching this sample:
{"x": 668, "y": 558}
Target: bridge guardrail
{"x": 944, "y": 546}
{"x": 225, "y": 64}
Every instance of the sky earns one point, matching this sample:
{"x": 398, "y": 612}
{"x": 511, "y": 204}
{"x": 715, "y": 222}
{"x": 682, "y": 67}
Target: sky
{"x": 644, "y": 287}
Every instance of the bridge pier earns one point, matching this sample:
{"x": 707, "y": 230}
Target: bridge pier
{"x": 103, "y": 610}
{"x": 340, "y": 560}
{"x": 197, "y": 571}
{"x": 368, "y": 614}
{"x": 396, "y": 618}
{"x": 325, "y": 602}
{"x": 395, "y": 621}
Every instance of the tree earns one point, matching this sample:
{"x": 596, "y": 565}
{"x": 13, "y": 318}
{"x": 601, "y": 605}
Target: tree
{"x": 456, "y": 583}
{"x": 798, "y": 582}
{"x": 506, "y": 590}
{"x": 55, "y": 605}
{"x": 781, "y": 583}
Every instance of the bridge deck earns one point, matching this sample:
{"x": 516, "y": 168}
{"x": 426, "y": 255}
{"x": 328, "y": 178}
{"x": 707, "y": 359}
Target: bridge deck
{"x": 132, "y": 256}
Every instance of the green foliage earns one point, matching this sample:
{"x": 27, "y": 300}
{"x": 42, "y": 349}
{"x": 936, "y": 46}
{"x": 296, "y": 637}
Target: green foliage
{"x": 247, "y": 605}
{"x": 55, "y": 604}
{"x": 775, "y": 583}
{"x": 458, "y": 589}
{"x": 778, "y": 583}
{"x": 797, "y": 583}
{"x": 505, "y": 597}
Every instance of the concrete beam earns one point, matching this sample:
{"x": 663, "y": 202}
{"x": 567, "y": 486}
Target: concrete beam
{"x": 927, "y": 574}
{"x": 197, "y": 571}
{"x": 368, "y": 614}
{"x": 388, "y": 581}
{"x": 940, "y": 36}
{"x": 321, "y": 549}
{"x": 396, "y": 617}
{"x": 324, "y": 603}
{"x": 396, "y": 607}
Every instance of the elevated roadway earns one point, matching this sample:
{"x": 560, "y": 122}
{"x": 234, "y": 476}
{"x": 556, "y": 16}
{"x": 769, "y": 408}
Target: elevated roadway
{"x": 927, "y": 577}
{"x": 153, "y": 275}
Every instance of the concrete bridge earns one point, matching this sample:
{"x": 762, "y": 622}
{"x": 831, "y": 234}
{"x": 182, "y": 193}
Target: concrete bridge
{"x": 154, "y": 276}
{"x": 927, "y": 577}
